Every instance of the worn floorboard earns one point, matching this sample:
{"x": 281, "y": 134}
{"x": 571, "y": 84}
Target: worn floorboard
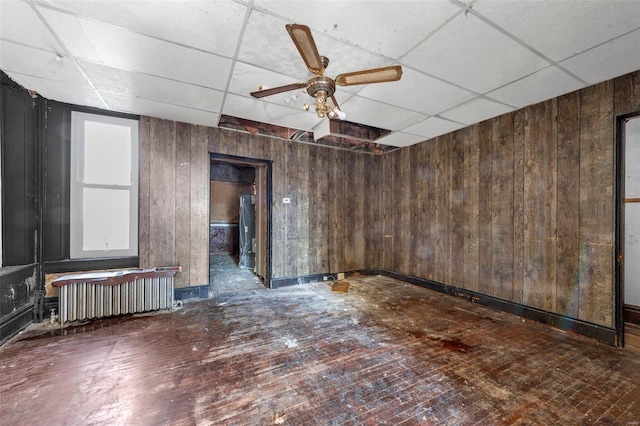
{"x": 385, "y": 352}
{"x": 225, "y": 276}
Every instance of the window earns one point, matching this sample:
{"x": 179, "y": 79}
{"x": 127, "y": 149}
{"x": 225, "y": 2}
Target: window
{"x": 104, "y": 186}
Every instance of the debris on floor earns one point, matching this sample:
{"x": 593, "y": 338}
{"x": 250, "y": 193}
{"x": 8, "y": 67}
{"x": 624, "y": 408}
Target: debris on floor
{"x": 341, "y": 286}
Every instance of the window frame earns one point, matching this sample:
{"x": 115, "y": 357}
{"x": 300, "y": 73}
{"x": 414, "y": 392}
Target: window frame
{"x": 77, "y": 186}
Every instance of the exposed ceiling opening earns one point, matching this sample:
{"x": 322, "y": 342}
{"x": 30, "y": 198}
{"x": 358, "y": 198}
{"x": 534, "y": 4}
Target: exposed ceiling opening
{"x": 337, "y": 134}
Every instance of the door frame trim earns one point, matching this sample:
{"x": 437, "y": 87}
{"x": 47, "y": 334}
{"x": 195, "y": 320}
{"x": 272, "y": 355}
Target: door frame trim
{"x": 621, "y": 120}
{"x": 256, "y": 162}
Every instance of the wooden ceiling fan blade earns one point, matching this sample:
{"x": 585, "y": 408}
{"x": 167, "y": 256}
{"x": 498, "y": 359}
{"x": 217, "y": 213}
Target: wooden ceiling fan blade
{"x": 375, "y": 75}
{"x": 276, "y": 90}
{"x": 302, "y": 38}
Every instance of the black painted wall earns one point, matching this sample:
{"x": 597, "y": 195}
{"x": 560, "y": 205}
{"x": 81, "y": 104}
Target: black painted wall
{"x": 35, "y": 136}
{"x": 57, "y": 159}
{"x": 19, "y": 118}
{"x": 19, "y": 124}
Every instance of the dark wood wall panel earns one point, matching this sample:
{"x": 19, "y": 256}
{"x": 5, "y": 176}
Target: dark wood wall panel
{"x": 372, "y": 223}
{"x": 441, "y": 225}
{"x": 326, "y": 228}
{"x": 484, "y": 211}
{"x": 519, "y": 207}
{"x": 540, "y": 206}
{"x": 519, "y": 124}
{"x": 457, "y": 220}
{"x": 428, "y": 253}
{"x": 144, "y": 191}
{"x": 162, "y": 195}
{"x": 502, "y": 207}
{"x": 471, "y": 208}
{"x": 568, "y": 207}
{"x": 387, "y": 211}
{"x": 402, "y": 216}
{"x": 182, "y": 203}
{"x": 415, "y": 187}
{"x": 597, "y": 203}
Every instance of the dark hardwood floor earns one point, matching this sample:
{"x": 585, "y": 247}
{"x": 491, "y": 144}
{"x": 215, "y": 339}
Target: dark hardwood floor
{"x": 385, "y": 352}
{"x": 632, "y": 337}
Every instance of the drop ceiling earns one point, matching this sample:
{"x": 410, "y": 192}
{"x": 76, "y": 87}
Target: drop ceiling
{"x": 463, "y": 61}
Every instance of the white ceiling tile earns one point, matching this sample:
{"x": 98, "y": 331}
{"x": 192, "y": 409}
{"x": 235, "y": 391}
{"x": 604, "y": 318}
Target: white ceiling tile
{"x": 560, "y": 29}
{"x": 40, "y": 63}
{"x": 610, "y": 60}
{"x": 474, "y": 55}
{"x": 247, "y": 78}
{"x": 400, "y": 139}
{"x": 123, "y": 49}
{"x": 172, "y": 59}
{"x": 372, "y": 113}
{"x": 124, "y": 103}
{"x": 433, "y": 126}
{"x": 418, "y": 92}
{"x": 266, "y": 112}
{"x": 544, "y": 84}
{"x": 384, "y": 28}
{"x": 476, "y": 110}
{"x": 16, "y": 17}
{"x": 267, "y": 45}
{"x": 59, "y": 91}
{"x": 213, "y": 26}
{"x": 152, "y": 88}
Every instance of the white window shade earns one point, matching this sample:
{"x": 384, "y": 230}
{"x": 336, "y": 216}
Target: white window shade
{"x": 104, "y": 186}
{"x": 107, "y": 154}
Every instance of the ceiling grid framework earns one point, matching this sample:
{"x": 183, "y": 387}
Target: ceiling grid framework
{"x": 198, "y": 61}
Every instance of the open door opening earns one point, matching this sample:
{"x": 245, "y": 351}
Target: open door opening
{"x": 628, "y": 232}
{"x": 239, "y": 228}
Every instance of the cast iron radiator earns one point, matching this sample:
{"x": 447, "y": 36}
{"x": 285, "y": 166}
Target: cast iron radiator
{"x": 102, "y": 294}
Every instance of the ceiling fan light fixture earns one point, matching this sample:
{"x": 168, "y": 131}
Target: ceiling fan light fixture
{"x": 320, "y": 87}
{"x": 321, "y": 97}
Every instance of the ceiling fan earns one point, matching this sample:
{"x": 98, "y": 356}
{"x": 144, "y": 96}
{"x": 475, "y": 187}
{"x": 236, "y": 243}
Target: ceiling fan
{"x": 322, "y": 87}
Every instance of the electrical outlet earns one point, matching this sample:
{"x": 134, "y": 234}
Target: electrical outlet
{"x": 286, "y": 200}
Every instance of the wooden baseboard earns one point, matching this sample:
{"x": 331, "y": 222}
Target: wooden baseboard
{"x": 632, "y": 314}
{"x": 11, "y": 324}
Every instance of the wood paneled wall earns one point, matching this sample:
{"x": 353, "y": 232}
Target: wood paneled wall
{"x": 174, "y": 198}
{"x": 331, "y": 225}
{"x": 520, "y": 207}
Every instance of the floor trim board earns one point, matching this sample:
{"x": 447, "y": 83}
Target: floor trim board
{"x": 632, "y": 314}
{"x": 12, "y": 324}
{"x": 314, "y": 278}
{"x": 303, "y": 279}
{"x": 192, "y": 292}
{"x": 603, "y": 334}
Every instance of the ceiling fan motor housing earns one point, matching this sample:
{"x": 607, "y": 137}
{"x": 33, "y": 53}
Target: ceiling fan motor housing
{"x": 321, "y": 84}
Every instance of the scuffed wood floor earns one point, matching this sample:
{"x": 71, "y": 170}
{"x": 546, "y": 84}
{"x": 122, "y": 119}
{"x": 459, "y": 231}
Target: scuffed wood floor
{"x": 386, "y": 352}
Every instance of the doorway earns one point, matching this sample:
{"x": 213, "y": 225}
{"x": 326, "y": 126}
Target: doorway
{"x": 239, "y": 224}
{"x": 628, "y": 285}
